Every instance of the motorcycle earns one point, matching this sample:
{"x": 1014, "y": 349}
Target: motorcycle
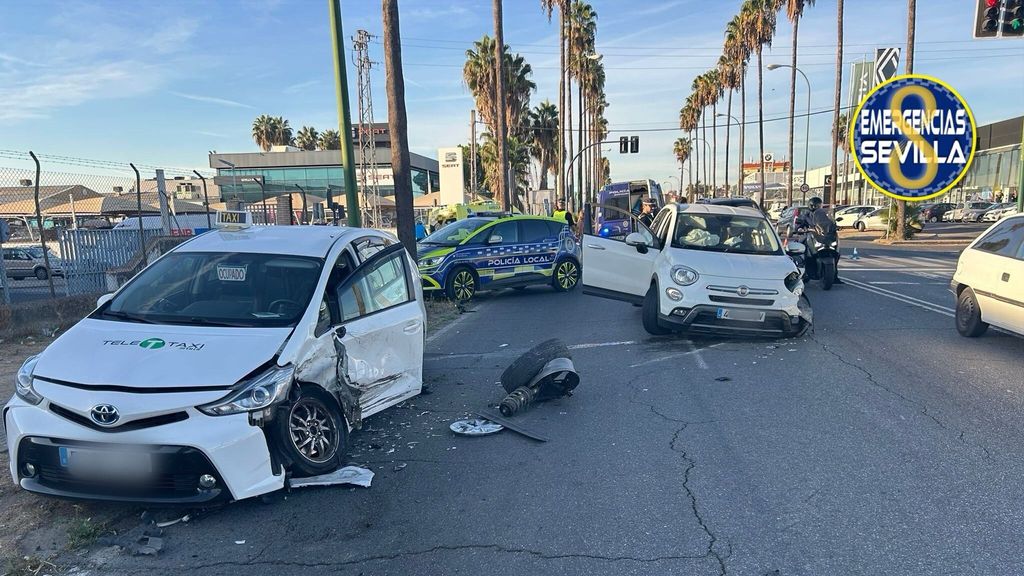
{"x": 820, "y": 258}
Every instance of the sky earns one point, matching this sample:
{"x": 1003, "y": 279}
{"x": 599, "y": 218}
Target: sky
{"x": 163, "y": 83}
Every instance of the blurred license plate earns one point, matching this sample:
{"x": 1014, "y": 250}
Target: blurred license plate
{"x": 112, "y": 464}
{"x": 740, "y": 314}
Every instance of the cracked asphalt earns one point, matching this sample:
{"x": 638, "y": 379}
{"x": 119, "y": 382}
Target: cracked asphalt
{"x": 881, "y": 443}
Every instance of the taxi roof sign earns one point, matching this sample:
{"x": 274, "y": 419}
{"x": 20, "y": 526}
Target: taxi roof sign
{"x": 234, "y": 219}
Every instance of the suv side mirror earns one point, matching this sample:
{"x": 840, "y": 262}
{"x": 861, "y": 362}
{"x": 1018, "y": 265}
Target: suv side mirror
{"x": 637, "y": 240}
{"x": 795, "y": 248}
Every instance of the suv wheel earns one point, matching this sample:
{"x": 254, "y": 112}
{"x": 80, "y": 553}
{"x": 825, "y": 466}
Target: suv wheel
{"x": 566, "y": 275}
{"x": 650, "y": 313}
{"x": 461, "y": 284}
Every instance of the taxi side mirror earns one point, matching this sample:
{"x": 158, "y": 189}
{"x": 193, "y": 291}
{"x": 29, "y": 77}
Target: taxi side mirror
{"x": 104, "y": 299}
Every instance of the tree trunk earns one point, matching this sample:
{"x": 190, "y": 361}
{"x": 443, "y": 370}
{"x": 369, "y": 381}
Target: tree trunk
{"x": 743, "y": 131}
{"x": 831, "y": 194}
{"x": 846, "y": 176}
{"x": 728, "y": 129}
{"x": 398, "y": 126}
{"x": 714, "y": 149}
{"x": 792, "y": 112}
{"x": 545, "y": 162}
{"x": 689, "y": 160}
{"x": 901, "y": 205}
{"x": 704, "y": 146}
{"x": 501, "y": 138}
{"x": 579, "y": 167}
{"x": 760, "y": 121}
{"x": 560, "y": 177}
{"x": 570, "y": 200}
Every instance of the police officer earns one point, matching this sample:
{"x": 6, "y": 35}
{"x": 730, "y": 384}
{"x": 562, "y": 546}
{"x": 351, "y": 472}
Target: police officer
{"x": 561, "y": 213}
{"x": 647, "y": 212}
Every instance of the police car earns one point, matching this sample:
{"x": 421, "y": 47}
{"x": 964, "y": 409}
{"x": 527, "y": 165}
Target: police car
{"x": 243, "y": 356}
{"x": 482, "y": 253}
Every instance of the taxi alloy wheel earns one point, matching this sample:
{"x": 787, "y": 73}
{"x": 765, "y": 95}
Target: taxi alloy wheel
{"x": 567, "y": 275}
{"x": 461, "y": 284}
{"x": 313, "y": 432}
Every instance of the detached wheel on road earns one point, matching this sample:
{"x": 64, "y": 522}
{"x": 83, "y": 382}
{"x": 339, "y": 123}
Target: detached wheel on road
{"x": 523, "y": 369}
{"x": 968, "y": 315}
{"x": 461, "y": 284}
{"x": 41, "y": 274}
{"x": 312, "y": 433}
{"x": 651, "y": 323}
{"x": 566, "y": 275}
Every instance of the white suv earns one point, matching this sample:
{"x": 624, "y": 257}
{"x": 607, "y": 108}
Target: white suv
{"x": 989, "y": 280}
{"x": 702, "y": 268}
{"x": 237, "y": 357}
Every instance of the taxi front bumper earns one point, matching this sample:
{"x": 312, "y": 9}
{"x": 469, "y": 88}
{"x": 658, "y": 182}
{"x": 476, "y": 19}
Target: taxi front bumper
{"x": 228, "y": 448}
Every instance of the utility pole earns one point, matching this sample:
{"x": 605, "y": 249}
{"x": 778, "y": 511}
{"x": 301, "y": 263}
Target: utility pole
{"x": 367, "y": 147}
{"x": 344, "y": 118}
{"x": 500, "y": 136}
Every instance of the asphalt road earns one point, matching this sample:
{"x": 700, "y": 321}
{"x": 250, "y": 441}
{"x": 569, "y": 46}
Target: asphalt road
{"x": 882, "y": 443}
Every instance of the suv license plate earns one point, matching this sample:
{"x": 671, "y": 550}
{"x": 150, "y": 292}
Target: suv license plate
{"x": 111, "y": 464}
{"x": 740, "y": 314}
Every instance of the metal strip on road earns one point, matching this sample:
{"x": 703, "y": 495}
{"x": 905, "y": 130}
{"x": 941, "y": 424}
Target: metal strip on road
{"x": 902, "y": 298}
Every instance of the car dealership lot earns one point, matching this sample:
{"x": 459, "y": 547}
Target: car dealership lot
{"x": 882, "y": 454}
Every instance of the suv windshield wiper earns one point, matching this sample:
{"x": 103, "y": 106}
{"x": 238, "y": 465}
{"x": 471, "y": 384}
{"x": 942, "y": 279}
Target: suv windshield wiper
{"x": 126, "y": 316}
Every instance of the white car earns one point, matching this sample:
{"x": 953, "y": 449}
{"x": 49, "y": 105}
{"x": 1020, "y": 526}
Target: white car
{"x": 235, "y": 359}
{"x": 875, "y": 220}
{"x": 989, "y": 280}
{"x": 702, "y": 268}
{"x": 998, "y": 211}
{"x": 848, "y": 216}
{"x": 964, "y": 210}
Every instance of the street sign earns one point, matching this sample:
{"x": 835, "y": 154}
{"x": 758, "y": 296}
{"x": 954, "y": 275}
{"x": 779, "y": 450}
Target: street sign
{"x": 805, "y": 188}
{"x": 887, "y": 62}
{"x": 861, "y": 82}
{"x": 828, "y": 180}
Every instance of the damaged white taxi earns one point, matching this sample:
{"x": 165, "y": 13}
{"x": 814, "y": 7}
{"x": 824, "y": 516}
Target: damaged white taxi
{"x": 236, "y": 360}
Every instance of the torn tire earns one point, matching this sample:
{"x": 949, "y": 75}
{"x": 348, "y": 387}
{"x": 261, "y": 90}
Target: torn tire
{"x": 523, "y": 369}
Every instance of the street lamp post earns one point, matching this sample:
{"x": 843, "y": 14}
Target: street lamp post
{"x": 807, "y": 136}
{"x": 234, "y": 182}
{"x": 739, "y": 182}
{"x": 707, "y": 149}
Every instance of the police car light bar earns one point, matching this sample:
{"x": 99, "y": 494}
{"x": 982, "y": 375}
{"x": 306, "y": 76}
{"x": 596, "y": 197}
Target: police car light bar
{"x": 234, "y": 219}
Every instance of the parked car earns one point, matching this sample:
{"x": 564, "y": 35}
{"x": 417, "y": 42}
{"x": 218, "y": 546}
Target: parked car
{"x": 702, "y": 268}
{"x": 22, "y": 262}
{"x": 874, "y": 220}
{"x": 934, "y": 212}
{"x": 958, "y": 212}
{"x": 975, "y": 212}
{"x": 233, "y": 361}
{"x": 846, "y": 217}
{"x": 997, "y": 211}
{"x": 989, "y": 280}
{"x": 484, "y": 253}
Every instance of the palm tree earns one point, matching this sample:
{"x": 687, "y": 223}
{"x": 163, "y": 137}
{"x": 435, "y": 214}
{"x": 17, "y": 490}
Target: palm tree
{"x": 794, "y": 11}
{"x": 831, "y": 194}
{"x": 713, "y": 86}
{"x": 681, "y": 149}
{"x": 479, "y": 75}
{"x": 262, "y": 132}
{"x": 398, "y": 126}
{"x": 307, "y": 138}
{"x": 700, "y": 90}
{"x": 759, "y": 28}
{"x": 500, "y": 128}
{"x": 544, "y": 137}
{"x": 548, "y": 6}
{"x": 280, "y": 132}
{"x": 841, "y": 135}
{"x": 729, "y": 76}
{"x": 901, "y": 205}
{"x": 689, "y": 116}
{"x": 519, "y": 157}
{"x": 584, "y": 26}
{"x": 328, "y": 140}
{"x": 738, "y": 52}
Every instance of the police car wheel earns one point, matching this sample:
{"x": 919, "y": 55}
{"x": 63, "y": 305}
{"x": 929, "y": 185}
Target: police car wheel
{"x": 566, "y": 275}
{"x": 461, "y": 284}
{"x": 313, "y": 433}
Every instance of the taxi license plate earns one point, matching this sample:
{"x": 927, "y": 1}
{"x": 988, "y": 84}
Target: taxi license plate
{"x": 740, "y": 314}
{"x": 113, "y": 464}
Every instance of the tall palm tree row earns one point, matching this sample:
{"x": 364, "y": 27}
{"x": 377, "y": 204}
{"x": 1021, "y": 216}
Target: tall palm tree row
{"x": 681, "y": 148}
{"x": 736, "y": 51}
{"x": 548, "y": 7}
{"x": 689, "y": 118}
{"x": 729, "y": 75}
{"x": 794, "y": 11}
{"x": 269, "y": 131}
{"x": 759, "y": 19}
{"x": 583, "y": 20}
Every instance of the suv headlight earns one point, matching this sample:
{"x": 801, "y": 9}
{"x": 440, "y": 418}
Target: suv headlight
{"x": 23, "y": 384}
{"x": 794, "y": 283}
{"x": 431, "y": 262}
{"x": 684, "y": 276}
{"x": 258, "y": 393}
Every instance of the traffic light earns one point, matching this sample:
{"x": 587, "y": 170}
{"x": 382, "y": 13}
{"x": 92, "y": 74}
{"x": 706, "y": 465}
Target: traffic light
{"x": 1013, "y": 19}
{"x": 624, "y": 145}
{"x": 634, "y": 144}
{"x": 986, "y": 19}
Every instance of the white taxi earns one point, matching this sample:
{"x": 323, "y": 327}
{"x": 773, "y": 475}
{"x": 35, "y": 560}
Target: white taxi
{"x": 989, "y": 280}
{"x": 237, "y": 359}
{"x": 702, "y": 268}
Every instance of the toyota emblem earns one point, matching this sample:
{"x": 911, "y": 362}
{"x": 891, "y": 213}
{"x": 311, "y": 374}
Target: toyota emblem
{"x": 104, "y": 414}
{"x": 742, "y": 291}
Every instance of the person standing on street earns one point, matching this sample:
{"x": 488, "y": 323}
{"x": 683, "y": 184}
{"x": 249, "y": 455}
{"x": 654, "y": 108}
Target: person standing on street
{"x": 561, "y": 213}
{"x": 647, "y": 212}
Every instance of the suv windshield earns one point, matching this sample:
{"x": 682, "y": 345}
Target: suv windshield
{"x": 456, "y": 232}
{"x": 725, "y": 233}
{"x": 218, "y": 289}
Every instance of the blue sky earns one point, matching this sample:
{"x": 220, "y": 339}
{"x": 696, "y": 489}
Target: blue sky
{"x": 161, "y": 83}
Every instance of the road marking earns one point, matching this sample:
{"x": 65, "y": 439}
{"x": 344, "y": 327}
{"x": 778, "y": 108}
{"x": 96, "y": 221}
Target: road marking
{"x": 902, "y": 298}
{"x": 859, "y": 269}
{"x": 600, "y": 345}
{"x": 907, "y": 283}
{"x": 697, "y": 357}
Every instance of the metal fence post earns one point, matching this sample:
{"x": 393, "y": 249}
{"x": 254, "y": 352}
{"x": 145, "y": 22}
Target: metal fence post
{"x": 39, "y": 222}
{"x": 138, "y": 213}
{"x": 206, "y": 199}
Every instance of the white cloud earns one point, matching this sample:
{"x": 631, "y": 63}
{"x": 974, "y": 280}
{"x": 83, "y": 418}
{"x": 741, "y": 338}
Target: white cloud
{"x": 297, "y": 88}
{"x": 213, "y": 100}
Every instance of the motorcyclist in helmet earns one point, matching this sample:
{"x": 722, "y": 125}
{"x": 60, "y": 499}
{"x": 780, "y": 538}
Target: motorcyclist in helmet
{"x": 814, "y": 214}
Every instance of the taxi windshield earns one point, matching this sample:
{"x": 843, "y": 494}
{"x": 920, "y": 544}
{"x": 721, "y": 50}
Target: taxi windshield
{"x": 218, "y": 289}
{"x": 454, "y": 233}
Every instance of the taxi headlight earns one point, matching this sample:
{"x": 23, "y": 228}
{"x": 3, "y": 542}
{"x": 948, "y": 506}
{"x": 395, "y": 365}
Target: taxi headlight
{"x": 684, "y": 276}
{"x": 23, "y": 383}
{"x": 258, "y": 393}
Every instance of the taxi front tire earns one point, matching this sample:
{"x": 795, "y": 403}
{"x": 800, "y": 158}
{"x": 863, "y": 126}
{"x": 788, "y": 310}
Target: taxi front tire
{"x": 312, "y": 432}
